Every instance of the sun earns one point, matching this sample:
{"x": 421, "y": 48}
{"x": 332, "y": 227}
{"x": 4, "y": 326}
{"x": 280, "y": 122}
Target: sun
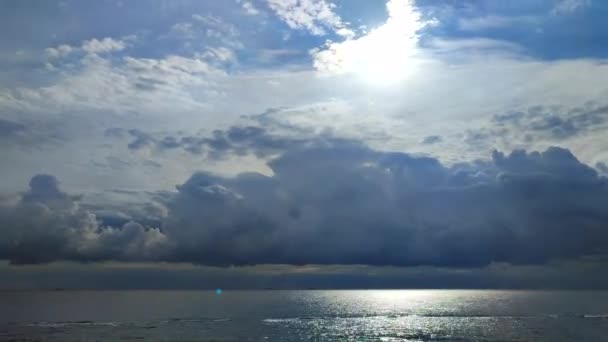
{"x": 382, "y": 56}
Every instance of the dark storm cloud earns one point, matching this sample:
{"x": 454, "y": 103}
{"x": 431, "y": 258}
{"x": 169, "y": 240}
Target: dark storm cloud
{"x": 140, "y": 139}
{"x": 247, "y": 140}
{"x": 432, "y": 139}
{"x": 149, "y": 84}
{"x": 8, "y": 128}
{"x": 337, "y": 202}
{"x": 347, "y": 204}
{"x": 602, "y": 167}
{"x": 554, "y": 123}
{"x": 558, "y": 127}
{"x": 114, "y": 132}
{"x": 118, "y": 206}
{"x": 239, "y": 140}
{"x": 169, "y": 143}
{"x": 578, "y": 274}
{"x": 47, "y": 224}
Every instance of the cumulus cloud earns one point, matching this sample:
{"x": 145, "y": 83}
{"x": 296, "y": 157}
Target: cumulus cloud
{"x": 340, "y": 202}
{"x": 104, "y": 45}
{"x": 59, "y": 51}
{"x": 167, "y": 94}
{"x": 347, "y": 204}
{"x": 313, "y": 16}
{"x": 48, "y": 224}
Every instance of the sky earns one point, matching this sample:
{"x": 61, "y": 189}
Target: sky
{"x": 303, "y": 143}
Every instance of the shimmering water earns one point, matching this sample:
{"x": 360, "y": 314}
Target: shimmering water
{"x": 384, "y": 315}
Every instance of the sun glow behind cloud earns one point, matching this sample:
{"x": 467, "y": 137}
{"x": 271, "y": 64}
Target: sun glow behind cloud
{"x": 381, "y": 57}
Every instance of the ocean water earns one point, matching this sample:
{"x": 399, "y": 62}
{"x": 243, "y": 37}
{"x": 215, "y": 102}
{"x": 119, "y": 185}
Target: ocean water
{"x": 316, "y": 315}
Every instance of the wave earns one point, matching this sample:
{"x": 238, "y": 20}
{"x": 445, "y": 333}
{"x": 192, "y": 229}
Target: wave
{"x": 439, "y": 315}
{"x": 196, "y": 320}
{"x": 284, "y": 320}
{"x": 597, "y": 316}
{"x": 45, "y": 324}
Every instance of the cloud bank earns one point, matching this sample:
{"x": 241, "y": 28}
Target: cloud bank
{"x": 336, "y": 201}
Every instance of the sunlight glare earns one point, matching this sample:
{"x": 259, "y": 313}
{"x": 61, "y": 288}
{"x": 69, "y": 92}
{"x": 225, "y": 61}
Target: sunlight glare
{"x": 384, "y": 55}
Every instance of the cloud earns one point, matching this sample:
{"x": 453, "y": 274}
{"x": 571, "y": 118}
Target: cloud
{"x": 184, "y": 29}
{"x": 432, "y": 139}
{"x": 382, "y": 53}
{"x": 570, "y": 6}
{"x": 556, "y": 124}
{"x": 10, "y": 128}
{"x": 115, "y": 207}
{"x": 220, "y": 54}
{"x": 314, "y": 16}
{"x": 216, "y": 27}
{"x": 339, "y": 202}
{"x": 214, "y": 30}
{"x": 162, "y": 90}
{"x": 223, "y": 144}
{"x": 140, "y": 139}
{"x": 454, "y": 47}
{"x": 580, "y": 274}
{"x": 494, "y": 22}
{"x": 105, "y": 45}
{"x": 249, "y": 8}
{"x": 356, "y": 205}
{"x": 92, "y": 46}
{"x": 127, "y": 85}
{"x": 48, "y": 225}
{"x": 59, "y": 51}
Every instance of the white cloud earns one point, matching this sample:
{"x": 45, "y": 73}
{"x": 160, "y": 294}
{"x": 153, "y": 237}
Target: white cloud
{"x": 140, "y": 84}
{"x": 250, "y": 9}
{"x": 315, "y": 16}
{"x": 570, "y": 6}
{"x": 493, "y": 22}
{"x": 462, "y": 47}
{"x": 92, "y": 46}
{"x": 214, "y": 28}
{"x": 381, "y": 54}
{"x": 220, "y": 54}
{"x": 105, "y": 45}
{"x": 59, "y": 51}
{"x": 184, "y": 29}
{"x": 216, "y": 23}
{"x": 273, "y": 55}
{"x": 442, "y": 95}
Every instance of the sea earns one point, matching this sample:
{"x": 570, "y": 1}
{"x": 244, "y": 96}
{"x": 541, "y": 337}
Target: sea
{"x": 311, "y": 315}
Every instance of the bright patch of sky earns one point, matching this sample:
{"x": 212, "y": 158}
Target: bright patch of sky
{"x": 423, "y": 76}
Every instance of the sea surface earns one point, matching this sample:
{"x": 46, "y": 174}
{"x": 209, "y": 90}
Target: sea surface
{"x": 315, "y": 315}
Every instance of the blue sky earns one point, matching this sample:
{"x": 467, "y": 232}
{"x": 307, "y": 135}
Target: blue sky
{"x": 125, "y": 118}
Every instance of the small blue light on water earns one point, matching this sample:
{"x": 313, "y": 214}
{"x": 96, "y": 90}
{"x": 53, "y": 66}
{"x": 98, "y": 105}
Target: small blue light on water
{"x": 218, "y": 291}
